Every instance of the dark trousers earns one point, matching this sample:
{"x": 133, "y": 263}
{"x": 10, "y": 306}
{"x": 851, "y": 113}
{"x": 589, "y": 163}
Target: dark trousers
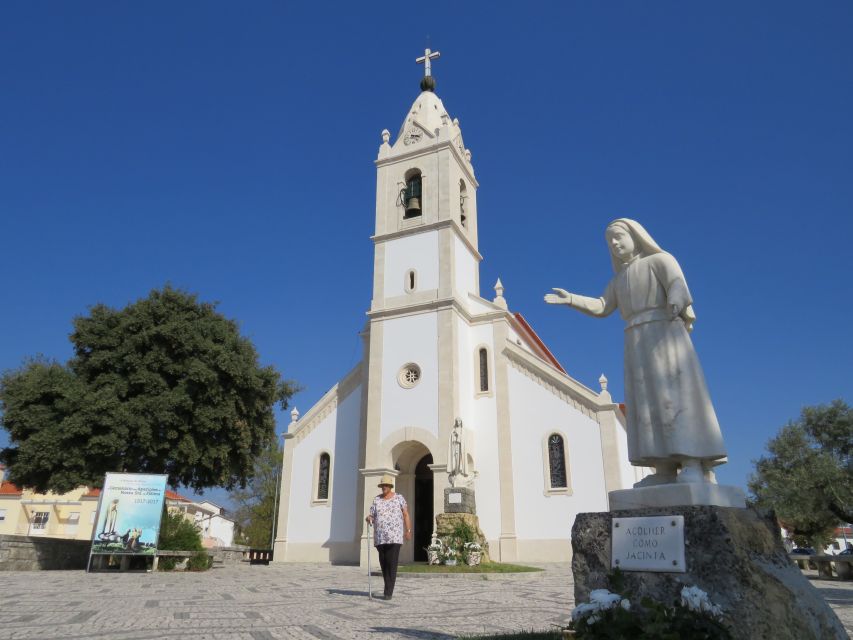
{"x": 389, "y": 555}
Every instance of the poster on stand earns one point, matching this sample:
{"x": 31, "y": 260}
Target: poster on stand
{"x": 129, "y": 514}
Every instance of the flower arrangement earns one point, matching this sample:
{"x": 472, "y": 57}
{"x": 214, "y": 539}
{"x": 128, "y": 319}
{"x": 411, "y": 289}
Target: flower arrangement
{"x": 611, "y": 615}
{"x": 449, "y": 553}
{"x": 473, "y": 553}
{"x": 434, "y": 551}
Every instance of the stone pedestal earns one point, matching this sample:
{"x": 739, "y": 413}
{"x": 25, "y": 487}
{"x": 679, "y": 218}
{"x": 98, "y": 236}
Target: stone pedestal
{"x": 677, "y": 494}
{"x": 735, "y": 555}
{"x": 459, "y": 500}
{"x": 445, "y": 523}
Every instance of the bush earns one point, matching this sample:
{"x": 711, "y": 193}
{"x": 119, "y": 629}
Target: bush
{"x": 178, "y": 534}
{"x": 610, "y": 615}
{"x": 199, "y": 562}
{"x": 167, "y": 564}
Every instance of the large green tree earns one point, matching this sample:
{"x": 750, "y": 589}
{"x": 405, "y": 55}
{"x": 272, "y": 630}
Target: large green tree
{"x": 164, "y": 385}
{"x": 256, "y": 503}
{"x": 808, "y": 477}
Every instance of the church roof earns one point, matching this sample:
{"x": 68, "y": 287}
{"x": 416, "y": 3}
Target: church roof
{"x": 425, "y": 119}
{"x": 546, "y": 352}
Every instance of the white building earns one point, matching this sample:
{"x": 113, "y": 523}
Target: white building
{"x": 216, "y": 529}
{"x": 541, "y": 446}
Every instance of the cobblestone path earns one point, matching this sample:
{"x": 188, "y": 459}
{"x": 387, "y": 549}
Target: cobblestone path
{"x": 310, "y": 602}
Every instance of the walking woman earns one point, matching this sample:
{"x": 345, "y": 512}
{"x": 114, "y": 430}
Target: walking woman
{"x": 389, "y": 515}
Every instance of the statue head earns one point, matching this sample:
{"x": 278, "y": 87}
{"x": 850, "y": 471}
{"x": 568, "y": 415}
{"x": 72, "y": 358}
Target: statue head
{"x": 627, "y": 238}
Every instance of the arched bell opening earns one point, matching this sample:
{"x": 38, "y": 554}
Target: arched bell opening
{"x": 410, "y": 195}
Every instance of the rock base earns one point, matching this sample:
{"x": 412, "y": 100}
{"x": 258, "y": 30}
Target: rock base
{"x": 735, "y": 555}
{"x": 677, "y": 494}
{"x": 445, "y": 523}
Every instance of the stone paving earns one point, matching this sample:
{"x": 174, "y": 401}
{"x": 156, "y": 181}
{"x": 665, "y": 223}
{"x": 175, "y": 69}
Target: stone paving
{"x": 310, "y": 602}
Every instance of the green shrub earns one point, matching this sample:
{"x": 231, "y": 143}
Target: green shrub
{"x": 167, "y": 564}
{"x": 611, "y": 615}
{"x": 199, "y": 562}
{"x": 178, "y": 534}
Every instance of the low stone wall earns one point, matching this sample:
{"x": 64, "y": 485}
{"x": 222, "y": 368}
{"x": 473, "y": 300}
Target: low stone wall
{"x": 228, "y": 555}
{"x": 31, "y": 553}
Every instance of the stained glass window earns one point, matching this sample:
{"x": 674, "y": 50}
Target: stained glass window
{"x": 323, "y": 477}
{"x": 557, "y": 461}
{"x": 484, "y": 370}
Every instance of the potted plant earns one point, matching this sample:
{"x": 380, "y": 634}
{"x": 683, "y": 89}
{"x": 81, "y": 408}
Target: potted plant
{"x": 473, "y": 553}
{"x": 434, "y": 551}
{"x": 448, "y": 554}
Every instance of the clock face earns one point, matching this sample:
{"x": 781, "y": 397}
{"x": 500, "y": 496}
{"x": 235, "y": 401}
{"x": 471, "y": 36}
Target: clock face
{"x": 413, "y": 135}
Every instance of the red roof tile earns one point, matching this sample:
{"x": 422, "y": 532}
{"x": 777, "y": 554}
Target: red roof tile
{"x": 8, "y": 489}
{"x": 538, "y": 342}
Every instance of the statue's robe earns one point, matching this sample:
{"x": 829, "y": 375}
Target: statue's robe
{"x": 670, "y": 414}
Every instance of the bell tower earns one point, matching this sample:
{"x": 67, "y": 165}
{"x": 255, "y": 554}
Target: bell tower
{"x": 425, "y": 188}
{"x": 425, "y": 276}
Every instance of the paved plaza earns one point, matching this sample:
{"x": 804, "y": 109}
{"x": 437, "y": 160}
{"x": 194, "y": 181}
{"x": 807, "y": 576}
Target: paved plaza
{"x": 293, "y": 601}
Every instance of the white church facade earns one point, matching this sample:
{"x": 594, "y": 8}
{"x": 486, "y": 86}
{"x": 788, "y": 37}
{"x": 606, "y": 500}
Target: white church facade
{"x": 540, "y": 446}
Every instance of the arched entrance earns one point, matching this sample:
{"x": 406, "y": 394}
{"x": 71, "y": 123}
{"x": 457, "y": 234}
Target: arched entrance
{"x": 414, "y": 481}
{"x": 423, "y": 507}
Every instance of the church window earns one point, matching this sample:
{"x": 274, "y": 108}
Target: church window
{"x": 557, "y": 461}
{"x": 323, "y": 471}
{"x": 483, "y": 358}
{"x": 409, "y": 375}
{"x": 463, "y": 196}
{"x": 411, "y": 281}
{"x": 410, "y": 195}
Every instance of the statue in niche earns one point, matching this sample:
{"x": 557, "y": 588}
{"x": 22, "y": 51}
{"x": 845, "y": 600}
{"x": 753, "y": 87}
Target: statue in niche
{"x": 671, "y": 421}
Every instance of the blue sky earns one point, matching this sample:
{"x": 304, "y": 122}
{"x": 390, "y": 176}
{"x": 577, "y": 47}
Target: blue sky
{"x": 227, "y": 148}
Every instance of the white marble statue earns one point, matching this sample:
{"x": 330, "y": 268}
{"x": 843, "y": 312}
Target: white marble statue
{"x": 457, "y": 458}
{"x": 671, "y": 421}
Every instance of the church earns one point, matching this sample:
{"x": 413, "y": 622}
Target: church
{"x": 539, "y": 446}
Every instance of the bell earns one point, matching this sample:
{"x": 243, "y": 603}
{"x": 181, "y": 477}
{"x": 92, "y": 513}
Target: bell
{"x": 413, "y": 207}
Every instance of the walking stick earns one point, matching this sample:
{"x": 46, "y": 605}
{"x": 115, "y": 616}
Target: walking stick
{"x": 369, "y": 590}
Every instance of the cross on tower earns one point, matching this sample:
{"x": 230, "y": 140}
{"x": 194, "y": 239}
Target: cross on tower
{"x": 428, "y": 55}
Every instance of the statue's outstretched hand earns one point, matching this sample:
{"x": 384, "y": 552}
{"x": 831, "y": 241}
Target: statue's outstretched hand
{"x": 560, "y": 296}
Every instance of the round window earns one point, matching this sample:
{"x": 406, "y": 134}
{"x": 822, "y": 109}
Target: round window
{"x": 409, "y": 375}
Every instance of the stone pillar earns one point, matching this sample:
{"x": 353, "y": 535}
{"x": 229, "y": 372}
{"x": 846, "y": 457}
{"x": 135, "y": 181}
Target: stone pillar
{"x": 280, "y": 545}
{"x": 440, "y": 482}
{"x": 508, "y": 548}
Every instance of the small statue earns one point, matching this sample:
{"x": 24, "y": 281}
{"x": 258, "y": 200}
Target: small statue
{"x": 111, "y": 519}
{"x": 671, "y": 421}
{"x": 457, "y": 462}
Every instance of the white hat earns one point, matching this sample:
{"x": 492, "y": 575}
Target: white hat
{"x": 386, "y": 479}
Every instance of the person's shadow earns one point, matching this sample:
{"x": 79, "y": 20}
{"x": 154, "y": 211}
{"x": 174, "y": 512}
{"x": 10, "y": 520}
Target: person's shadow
{"x": 414, "y": 633}
{"x": 346, "y": 592}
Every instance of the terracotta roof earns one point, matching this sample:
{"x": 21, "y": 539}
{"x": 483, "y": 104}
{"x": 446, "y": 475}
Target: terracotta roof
{"x": 538, "y": 342}
{"x": 8, "y": 489}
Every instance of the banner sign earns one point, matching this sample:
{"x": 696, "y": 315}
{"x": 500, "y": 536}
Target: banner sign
{"x": 129, "y": 514}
